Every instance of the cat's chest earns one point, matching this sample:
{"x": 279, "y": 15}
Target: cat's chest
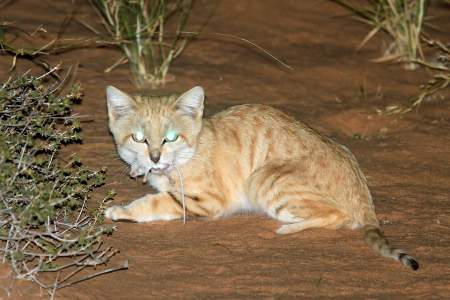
{"x": 171, "y": 182}
{"x": 161, "y": 183}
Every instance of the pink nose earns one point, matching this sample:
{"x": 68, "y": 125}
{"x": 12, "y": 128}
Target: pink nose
{"x": 155, "y": 156}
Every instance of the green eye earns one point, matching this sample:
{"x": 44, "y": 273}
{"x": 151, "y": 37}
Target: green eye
{"x": 171, "y": 136}
{"x": 138, "y": 137}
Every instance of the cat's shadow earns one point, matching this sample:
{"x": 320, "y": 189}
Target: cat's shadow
{"x": 124, "y": 221}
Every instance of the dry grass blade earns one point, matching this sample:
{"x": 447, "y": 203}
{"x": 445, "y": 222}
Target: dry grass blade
{"x": 36, "y": 53}
{"x": 258, "y": 48}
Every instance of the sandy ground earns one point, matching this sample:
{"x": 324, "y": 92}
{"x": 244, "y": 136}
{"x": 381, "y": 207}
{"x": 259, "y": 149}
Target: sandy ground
{"x": 405, "y": 159}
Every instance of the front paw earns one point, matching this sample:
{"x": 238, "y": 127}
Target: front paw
{"x": 114, "y": 213}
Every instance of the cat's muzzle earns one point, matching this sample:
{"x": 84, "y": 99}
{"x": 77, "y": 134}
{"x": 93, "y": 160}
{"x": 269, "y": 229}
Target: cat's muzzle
{"x": 159, "y": 170}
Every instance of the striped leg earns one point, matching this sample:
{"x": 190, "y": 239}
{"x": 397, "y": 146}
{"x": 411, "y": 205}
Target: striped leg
{"x": 149, "y": 208}
{"x": 278, "y": 190}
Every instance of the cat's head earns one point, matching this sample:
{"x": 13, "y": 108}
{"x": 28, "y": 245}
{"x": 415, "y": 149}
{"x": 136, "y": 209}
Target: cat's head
{"x": 155, "y": 133}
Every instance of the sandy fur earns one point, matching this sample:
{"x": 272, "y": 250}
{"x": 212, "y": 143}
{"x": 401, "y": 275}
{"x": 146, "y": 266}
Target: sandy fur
{"x": 248, "y": 158}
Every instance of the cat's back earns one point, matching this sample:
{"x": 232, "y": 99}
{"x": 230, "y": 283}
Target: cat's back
{"x": 248, "y": 111}
{"x": 261, "y": 133}
{"x": 263, "y": 121}
{"x": 258, "y": 115}
{"x": 266, "y": 133}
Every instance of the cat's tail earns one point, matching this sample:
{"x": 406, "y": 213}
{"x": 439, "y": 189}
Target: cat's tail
{"x": 376, "y": 240}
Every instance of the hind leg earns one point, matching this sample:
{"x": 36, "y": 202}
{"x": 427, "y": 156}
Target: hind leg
{"x": 331, "y": 221}
{"x": 278, "y": 190}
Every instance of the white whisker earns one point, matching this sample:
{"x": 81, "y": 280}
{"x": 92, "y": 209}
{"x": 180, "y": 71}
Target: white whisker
{"x": 146, "y": 177}
{"x": 180, "y": 177}
{"x": 125, "y": 169}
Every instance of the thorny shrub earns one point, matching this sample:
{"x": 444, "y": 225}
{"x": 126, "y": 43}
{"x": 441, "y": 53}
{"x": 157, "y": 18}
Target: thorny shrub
{"x": 45, "y": 225}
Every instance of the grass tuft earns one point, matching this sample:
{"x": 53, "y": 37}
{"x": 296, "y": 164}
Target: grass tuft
{"x": 402, "y": 20}
{"x": 140, "y": 28}
{"x": 435, "y": 86}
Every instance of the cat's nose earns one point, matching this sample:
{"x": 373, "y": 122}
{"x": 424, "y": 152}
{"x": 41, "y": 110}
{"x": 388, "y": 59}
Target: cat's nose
{"x": 155, "y": 156}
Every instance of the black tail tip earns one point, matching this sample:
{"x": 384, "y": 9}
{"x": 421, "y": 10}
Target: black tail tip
{"x": 408, "y": 261}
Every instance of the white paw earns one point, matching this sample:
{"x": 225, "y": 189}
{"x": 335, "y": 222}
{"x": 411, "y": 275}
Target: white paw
{"x": 284, "y": 229}
{"x": 111, "y": 212}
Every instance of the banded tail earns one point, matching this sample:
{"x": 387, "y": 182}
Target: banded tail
{"x": 379, "y": 243}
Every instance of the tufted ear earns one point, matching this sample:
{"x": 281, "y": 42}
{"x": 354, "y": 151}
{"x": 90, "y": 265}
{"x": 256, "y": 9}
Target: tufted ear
{"x": 191, "y": 102}
{"x": 119, "y": 103}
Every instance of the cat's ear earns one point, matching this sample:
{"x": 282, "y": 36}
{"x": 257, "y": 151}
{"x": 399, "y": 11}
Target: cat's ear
{"x": 119, "y": 103}
{"x": 191, "y": 102}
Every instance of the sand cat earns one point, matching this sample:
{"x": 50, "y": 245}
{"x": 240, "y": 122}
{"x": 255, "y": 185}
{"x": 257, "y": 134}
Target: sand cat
{"x": 248, "y": 157}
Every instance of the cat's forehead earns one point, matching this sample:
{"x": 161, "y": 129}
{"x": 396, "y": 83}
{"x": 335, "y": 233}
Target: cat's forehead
{"x": 155, "y": 106}
{"x": 155, "y": 99}
{"x": 154, "y": 114}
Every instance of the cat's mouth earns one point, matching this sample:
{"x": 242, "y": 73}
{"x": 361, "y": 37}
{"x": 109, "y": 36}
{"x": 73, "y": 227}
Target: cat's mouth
{"x": 136, "y": 172}
{"x": 156, "y": 170}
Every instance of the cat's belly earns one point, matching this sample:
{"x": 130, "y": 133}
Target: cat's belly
{"x": 241, "y": 204}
